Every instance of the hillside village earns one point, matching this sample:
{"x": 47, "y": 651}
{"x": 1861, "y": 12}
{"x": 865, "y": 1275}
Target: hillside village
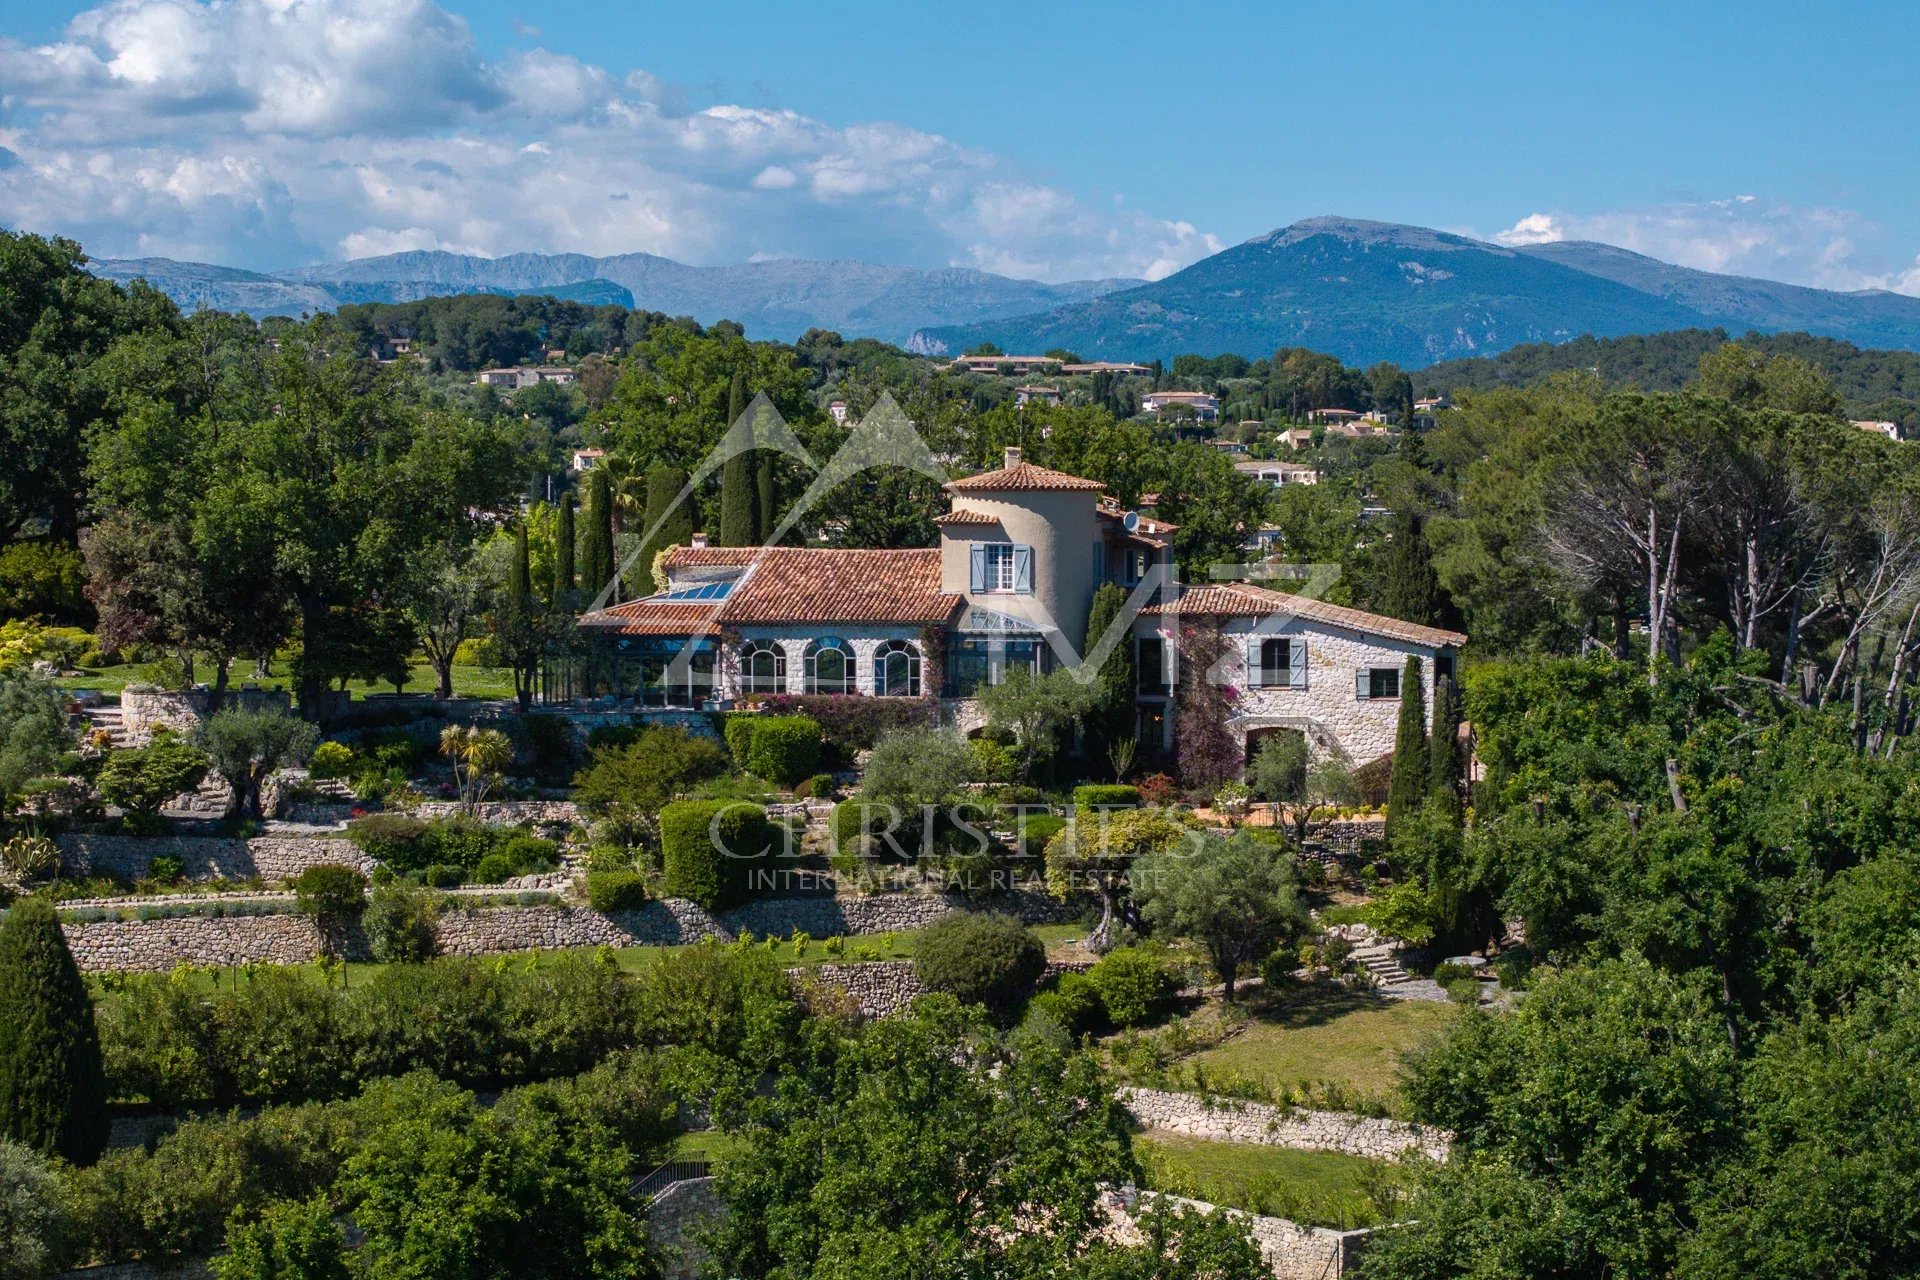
{"x": 553, "y": 789}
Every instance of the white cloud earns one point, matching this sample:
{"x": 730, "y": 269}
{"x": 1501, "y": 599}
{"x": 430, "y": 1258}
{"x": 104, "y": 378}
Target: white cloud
{"x": 265, "y": 133}
{"x": 1747, "y": 235}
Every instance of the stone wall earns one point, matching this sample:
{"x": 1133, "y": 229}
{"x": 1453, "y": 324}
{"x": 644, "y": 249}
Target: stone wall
{"x": 1291, "y": 1251}
{"x": 272, "y": 858}
{"x": 672, "y": 1216}
{"x": 156, "y": 946}
{"x": 141, "y": 712}
{"x": 505, "y": 813}
{"x": 1233, "y": 1120}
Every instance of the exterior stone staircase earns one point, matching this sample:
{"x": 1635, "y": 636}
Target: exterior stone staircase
{"x": 108, "y": 717}
{"x": 1382, "y": 968}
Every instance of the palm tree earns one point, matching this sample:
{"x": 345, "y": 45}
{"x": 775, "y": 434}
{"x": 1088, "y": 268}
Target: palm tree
{"x": 480, "y": 758}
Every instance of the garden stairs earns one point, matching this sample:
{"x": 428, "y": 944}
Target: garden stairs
{"x": 1381, "y": 965}
{"x": 110, "y": 719}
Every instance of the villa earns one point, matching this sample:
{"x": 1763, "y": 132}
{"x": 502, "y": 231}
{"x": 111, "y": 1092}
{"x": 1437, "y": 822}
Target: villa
{"x": 1022, "y": 550}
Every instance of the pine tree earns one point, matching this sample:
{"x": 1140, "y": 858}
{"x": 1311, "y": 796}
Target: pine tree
{"x": 669, "y": 522}
{"x": 563, "y": 550}
{"x": 596, "y": 544}
{"x": 1446, "y": 768}
{"x": 1407, "y": 586}
{"x": 53, "y": 1089}
{"x": 1407, "y": 788}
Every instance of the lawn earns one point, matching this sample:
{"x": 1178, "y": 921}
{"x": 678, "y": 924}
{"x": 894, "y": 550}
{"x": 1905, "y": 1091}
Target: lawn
{"x": 468, "y": 682}
{"x": 1350, "y": 1039}
{"x": 1319, "y": 1188}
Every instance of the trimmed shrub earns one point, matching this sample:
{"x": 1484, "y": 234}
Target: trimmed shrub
{"x": 783, "y": 749}
{"x": 399, "y": 922}
{"x": 819, "y": 787}
{"x": 1095, "y": 795}
{"x": 1447, "y": 974}
{"x": 1035, "y": 829}
{"x": 143, "y": 779}
{"x": 329, "y": 891}
{"x": 990, "y": 960}
{"x": 396, "y": 839}
{"x": 1158, "y": 790}
{"x": 332, "y": 760}
{"x": 1073, "y": 1003}
{"x": 497, "y": 867}
{"x": 616, "y": 890}
{"x": 854, "y": 723}
{"x": 738, "y": 731}
{"x": 441, "y": 876}
{"x": 53, "y": 1089}
{"x": 530, "y": 853}
{"x": 698, "y": 871}
{"x": 853, "y": 818}
{"x": 1134, "y": 983}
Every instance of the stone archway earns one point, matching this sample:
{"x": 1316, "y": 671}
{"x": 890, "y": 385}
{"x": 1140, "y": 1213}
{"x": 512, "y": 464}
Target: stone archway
{"x": 1251, "y": 730}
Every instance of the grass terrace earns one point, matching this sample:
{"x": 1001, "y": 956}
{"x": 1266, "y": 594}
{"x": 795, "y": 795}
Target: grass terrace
{"x": 1318, "y": 1188}
{"x": 468, "y": 682}
{"x": 1350, "y": 1038}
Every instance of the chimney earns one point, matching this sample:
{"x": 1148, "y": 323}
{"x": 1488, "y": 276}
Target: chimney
{"x": 699, "y": 542}
{"x": 1013, "y": 455}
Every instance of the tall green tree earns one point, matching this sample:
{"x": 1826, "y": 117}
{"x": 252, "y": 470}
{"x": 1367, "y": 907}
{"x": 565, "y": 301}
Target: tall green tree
{"x": 1412, "y": 775}
{"x": 739, "y": 490}
{"x": 1112, "y": 714}
{"x": 522, "y": 626}
{"x": 669, "y": 520}
{"x": 563, "y": 550}
{"x": 53, "y": 1088}
{"x": 1238, "y": 898}
{"x": 1406, "y": 585}
{"x": 1447, "y": 765}
{"x": 596, "y": 543}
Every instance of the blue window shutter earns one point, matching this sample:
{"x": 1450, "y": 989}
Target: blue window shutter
{"x": 1360, "y": 678}
{"x": 977, "y": 567}
{"x": 1297, "y": 668}
{"x": 1256, "y": 674}
{"x": 1023, "y": 570}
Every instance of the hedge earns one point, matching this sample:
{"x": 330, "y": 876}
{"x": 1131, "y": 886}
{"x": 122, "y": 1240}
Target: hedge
{"x": 991, "y": 960}
{"x": 1134, "y": 983}
{"x": 407, "y": 843}
{"x": 1073, "y": 1004}
{"x": 1096, "y": 795}
{"x": 616, "y": 890}
{"x": 693, "y": 868}
{"x": 781, "y": 749}
{"x": 852, "y": 722}
{"x": 738, "y": 731}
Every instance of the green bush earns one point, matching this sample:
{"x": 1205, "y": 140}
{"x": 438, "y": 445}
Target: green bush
{"x": 783, "y": 749}
{"x": 693, "y": 868}
{"x": 991, "y": 960}
{"x": 846, "y": 822}
{"x": 496, "y": 868}
{"x": 1134, "y": 984}
{"x": 819, "y": 787}
{"x": 143, "y": 779}
{"x": 1095, "y": 795}
{"x": 330, "y": 891}
{"x": 738, "y": 731}
{"x": 1035, "y": 829}
{"x": 991, "y": 761}
{"x": 332, "y": 760}
{"x": 167, "y": 868}
{"x": 1445, "y": 974}
{"x": 616, "y": 890}
{"x": 399, "y": 922}
{"x": 52, "y": 1090}
{"x": 442, "y": 875}
{"x": 1073, "y": 1003}
{"x": 531, "y": 853}
{"x": 396, "y": 839}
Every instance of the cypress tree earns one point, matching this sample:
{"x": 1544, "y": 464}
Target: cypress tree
{"x": 1113, "y": 714}
{"x": 739, "y": 494}
{"x": 563, "y": 550}
{"x": 765, "y": 517}
{"x": 523, "y": 627}
{"x": 596, "y": 544}
{"x": 1446, "y": 739}
{"x": 53, "y": 1088}
{"x": 520, "y": 576}
{"x": 1407, "y": 788}
{"x": 1407, "y": 586}
{"x": 669, "y": 519}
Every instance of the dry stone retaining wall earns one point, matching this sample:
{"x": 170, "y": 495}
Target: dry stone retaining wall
{"x": 273, "y": 858}
{"x": 156, "y": 946}
{"x": 504, "y": 813}
{"x": 672, "y": 1216}
{"x": 1232, "y": 1120}
{"x": 1291, "y": 1251}
{"x": 143, "y": 711}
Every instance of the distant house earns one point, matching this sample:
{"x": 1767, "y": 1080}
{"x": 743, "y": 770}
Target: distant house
{"x": 512, "y": 379}
{"x": 1045, "y": 395}
{"x": 1205, "y": 407}
{"x": 1296, "y": 437}
{"x": 1891, "y": 430}
{"x": 1017, "y": 366}
{"x": 587, "y": 459}
{"x": 554, "y": 355}
{"x": 1331, "y": 416}
{"x": 501, "y": 379}
{"x": 1278, "y": 474}
{"x": 1106, "y": 366}
{"x": 838, "y": 412}
{"x": 1426, "y": 412}
{"x": 1359, "y": 429}
{"x": 1227, "y": 446}
{"x": 552, "y": 373}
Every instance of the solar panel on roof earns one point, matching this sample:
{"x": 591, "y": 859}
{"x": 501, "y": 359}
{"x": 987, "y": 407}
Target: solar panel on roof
{"x": 705, "y": 591}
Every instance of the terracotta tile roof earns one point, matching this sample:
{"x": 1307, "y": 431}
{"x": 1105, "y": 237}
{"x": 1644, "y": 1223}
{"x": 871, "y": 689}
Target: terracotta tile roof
{"x": 1244, "y": 600}
{"x": 1022, "y": 476}
{"x": 795, "y": 584}
{"x": 1112, "y": 510}
{"x": 648, "y": 618}
{"x": 799, "y": 585}
{"x": 966, "y": 517}
{"x": 698, "y": 557}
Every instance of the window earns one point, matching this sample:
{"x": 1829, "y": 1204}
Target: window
{"x": 763, "y": 667}
{"x": 974, "y": 662}
{"x": 1276, "y": 662}
{"x": 1005, "y": 567}
{"x": 1443, "y": 666}
{"x": 1377, "y": 682}
{"x": 830, "y": 666}
{"x": 897, "y": 670}
{"x": 1151, "y": 662}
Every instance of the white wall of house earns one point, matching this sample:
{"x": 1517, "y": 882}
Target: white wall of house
{"x": 1326, "y": 707}
{"x": 865, "y": 641}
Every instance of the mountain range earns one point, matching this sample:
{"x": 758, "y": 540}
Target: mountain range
{"x": 1362, "y": 291}
{"x": 778, "y": 299}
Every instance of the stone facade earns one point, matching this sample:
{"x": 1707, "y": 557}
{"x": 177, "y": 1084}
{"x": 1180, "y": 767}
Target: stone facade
{"x": 271, "y": 858}
{"x": 157, "y": 946}
{"x": 672, "y": 1216}
{"x": 143, "y": 711}
{"x": 865, "y": 641}
{"x": 1232, "y": 1120}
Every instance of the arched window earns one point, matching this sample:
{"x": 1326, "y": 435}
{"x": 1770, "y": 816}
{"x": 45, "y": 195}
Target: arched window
{"x": 896, "y": 669}
{"x": 830, "y": 666}
{"x": 763, "y": 667}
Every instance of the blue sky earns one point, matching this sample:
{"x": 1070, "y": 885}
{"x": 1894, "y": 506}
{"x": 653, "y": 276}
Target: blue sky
{"x": 1059, "y": 142}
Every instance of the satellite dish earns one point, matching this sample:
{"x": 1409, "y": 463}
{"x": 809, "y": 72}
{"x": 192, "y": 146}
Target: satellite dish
{"x": 1130, "y": 521}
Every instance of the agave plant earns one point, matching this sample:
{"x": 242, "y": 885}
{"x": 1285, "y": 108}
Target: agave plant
{"x": 28, "y": 857}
